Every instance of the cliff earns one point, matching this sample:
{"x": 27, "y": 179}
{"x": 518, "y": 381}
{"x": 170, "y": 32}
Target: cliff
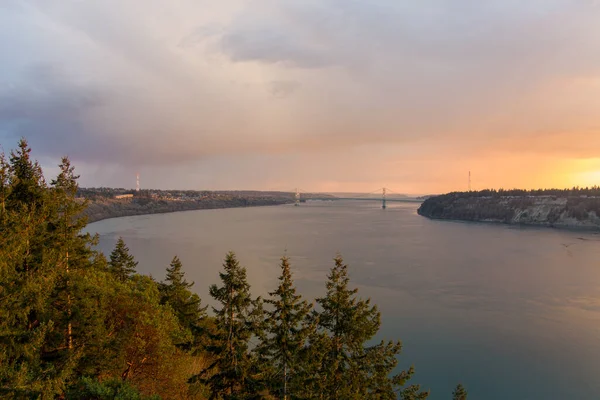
{"x": 562, "y": 210}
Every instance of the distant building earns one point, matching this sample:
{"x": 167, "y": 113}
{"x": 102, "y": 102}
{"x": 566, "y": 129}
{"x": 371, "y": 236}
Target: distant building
{"x": 123, "y": 196}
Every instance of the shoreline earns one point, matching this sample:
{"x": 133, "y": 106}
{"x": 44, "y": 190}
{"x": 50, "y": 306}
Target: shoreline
{"x": 565, "y": 228}
{"x": 111, "y": 213}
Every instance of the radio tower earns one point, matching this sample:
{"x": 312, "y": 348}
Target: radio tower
{"x": 137, "y": 182}
{"x": 469, "y": 181}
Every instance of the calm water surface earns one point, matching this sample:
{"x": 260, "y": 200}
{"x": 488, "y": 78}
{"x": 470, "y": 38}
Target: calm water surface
{"x": 513, "y": 313}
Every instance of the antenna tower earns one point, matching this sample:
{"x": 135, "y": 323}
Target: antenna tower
{"x": 469, "y": 181}
{"x": 137, "y": 182}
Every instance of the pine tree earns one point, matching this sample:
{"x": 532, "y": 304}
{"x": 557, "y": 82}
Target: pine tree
{"x": 66, "y": 226}
{"x": 68, "y": 219}
{"x": 230, "y": 376}
{"x": 460, "y": 393}
{"x": 4, "y": 187}
{"x": 350, "y": 369}
{"x": 412, "y": 392}
{"x": 350, "y": 322}
{"x": 27, "y": 181}
{"x": 121, "y": 264}
{"x": 111, "y": 389}
{"x": 175, "y": 292}
{"x": 285, "y": 334}
{"x": 27, "y": 200}
{"x": 32, "y": 360}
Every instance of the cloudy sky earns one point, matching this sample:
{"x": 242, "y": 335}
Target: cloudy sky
{"x": 326, "y": 95}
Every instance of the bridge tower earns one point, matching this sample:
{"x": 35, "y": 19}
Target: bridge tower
{"x": 297, "y": 203}
{"x": 383, "y": 205}
{"x": 137, "y": 182}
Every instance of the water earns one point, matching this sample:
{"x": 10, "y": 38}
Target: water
{"x": 512, "y": 313}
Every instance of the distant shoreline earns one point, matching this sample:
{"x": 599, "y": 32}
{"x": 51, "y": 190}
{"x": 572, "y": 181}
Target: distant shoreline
{"x": 126, "y": 208}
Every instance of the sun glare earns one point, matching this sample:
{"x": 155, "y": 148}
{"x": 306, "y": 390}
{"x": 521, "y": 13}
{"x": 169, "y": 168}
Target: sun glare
{"x": 586, "y": 173}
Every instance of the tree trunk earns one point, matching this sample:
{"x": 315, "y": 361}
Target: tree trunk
{"x": 69, "y": 311}
{"x": 285, "y": 381}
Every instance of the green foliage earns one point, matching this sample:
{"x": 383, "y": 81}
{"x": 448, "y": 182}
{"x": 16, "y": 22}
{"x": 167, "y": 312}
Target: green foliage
{"x": 285, "y": 334}
{"x": 5, "y": 187}
{"x": 347, "y": 367}
{"x": 233, "y": 374}
{"x": 460, "y": 393}
{"x": 26, "y": 179}
{"x": 175, "y": 292}
{"x": 122, "y": 264}
{"x": 62, "y": 315}
{"x": 35, "y": 357}
{"x": 112, "y": 389}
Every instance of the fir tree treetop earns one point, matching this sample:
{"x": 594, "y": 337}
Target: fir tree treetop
{"x": 122, "y": 264}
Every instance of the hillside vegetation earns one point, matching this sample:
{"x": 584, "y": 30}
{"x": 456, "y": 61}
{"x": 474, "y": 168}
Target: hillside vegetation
{"x": 103, "y": 203}
{"x": 76, "y": 325}
{"x": 100, "y": 209}
{"x": 568, "y": 208}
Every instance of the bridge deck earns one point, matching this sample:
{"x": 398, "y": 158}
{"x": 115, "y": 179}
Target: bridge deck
{"x": 407, "y": 200}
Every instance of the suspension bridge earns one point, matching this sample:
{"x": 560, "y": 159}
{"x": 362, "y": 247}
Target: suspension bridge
{"x": 384, "y": 195}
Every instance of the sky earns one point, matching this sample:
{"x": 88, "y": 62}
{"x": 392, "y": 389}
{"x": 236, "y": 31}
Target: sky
{"x": 323, "y": 95}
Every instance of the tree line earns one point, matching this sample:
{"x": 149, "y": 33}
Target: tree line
{"x": 75, "y": 324}
{"x": 577, "y": 191}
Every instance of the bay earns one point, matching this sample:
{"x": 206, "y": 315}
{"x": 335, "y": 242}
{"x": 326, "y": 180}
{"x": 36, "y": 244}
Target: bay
{"x": 512, "y": 313}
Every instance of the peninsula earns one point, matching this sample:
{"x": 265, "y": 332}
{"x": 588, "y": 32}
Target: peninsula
{"x": 577, "y": 208}
{"x": 104, "y": 203}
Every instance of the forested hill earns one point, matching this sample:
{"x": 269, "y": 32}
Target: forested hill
{"x": 569, "y": 208}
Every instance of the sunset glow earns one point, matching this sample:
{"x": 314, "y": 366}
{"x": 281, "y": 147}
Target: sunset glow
{"x": 587, "y": 172}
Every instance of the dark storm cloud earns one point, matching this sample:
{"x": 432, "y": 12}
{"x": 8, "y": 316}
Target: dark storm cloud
{"x": 51, "y": 113}
{"x": 59, "y": 116}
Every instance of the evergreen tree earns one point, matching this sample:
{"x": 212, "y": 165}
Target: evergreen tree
{"x": 349, "y": 322}
{"x": 65, "y": 226}
{"x": 112, "y": 389}
{"x": 285, "y": 335}
{"x": 68, "y": 219}
{"x": 121, "y": 264}
{"x": 231, "y": 375}
{"x": 314, "y": 381}
{"x": 350, "y": 369}
{"x": 33, "y": 361}
{"x": 4, "y": 187}
{"x": 412, "y": 392}
{"x": 175, "y": 292}
{"x": 460, "y": 393}
{"x": 27, "y": 180}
